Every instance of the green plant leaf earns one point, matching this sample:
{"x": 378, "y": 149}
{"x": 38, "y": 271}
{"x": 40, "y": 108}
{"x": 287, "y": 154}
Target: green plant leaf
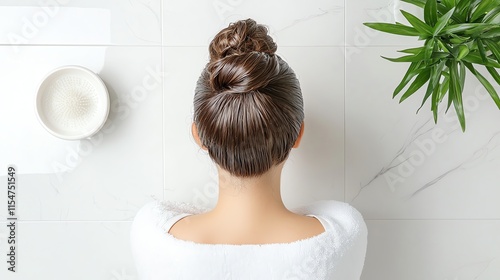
{"x": 442, "y": 22}
{"x": 492, "y": 33}
{"x": 398, "y": 29}
{"x": 457, "y": 28}
{"x": 494, "y": 48}
{"x": 456, "y": 39}
{"x": 407, "y": 58}
{"x": 412, "y": 71}
{"x": 419, "y": 81}
{"x": 463, "y": 51}
{"x": 446, "y": 76}
{"x": 482, "y": 28}
{"x": 418, "y": 24}
{"x": 449, "y": 3}
{"x": 430, "y": 12}
{"x": 456, "y": 93}
{"x": 491, "y": 15}
{"x": 440, "y": 55}
{"x": 486, "y": 84}
{"x": 443, "y": 46}
{"x": 445, "y": 86}
{"x": 474, "y": 57}
{"x": 442, "y": 9}
{"x": 434, "y": 103}
{"x": 412, "y": 50}
{"x": 437, "y": 96}
{"x": 494, "y": 74}
{"x": 471, "y": 7}
{"x": 462, "y": 5}
{"x": 419, "y": 3}
{"x": 484, "y": 6}
{"x": 431, "y": 87}
{"x": 429, "y": 48}
{"x": 450, "y": 97}
{"x": 462, "y": 76}
{"x": 433, "y": 82}
{"x": 461, "y": 10}
{"x": 481, "y": 51}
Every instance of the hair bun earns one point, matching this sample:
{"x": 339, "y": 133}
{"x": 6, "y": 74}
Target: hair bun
{"x": 241, "y": 58}
{"x": 241, "y": 37}
{"x": 242, "y": 73}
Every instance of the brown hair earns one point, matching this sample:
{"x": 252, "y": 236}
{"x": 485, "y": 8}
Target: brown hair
{"x": 248, "y": 106}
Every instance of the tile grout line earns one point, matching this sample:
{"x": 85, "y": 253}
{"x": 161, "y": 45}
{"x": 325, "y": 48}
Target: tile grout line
{"x": 344, "y": 46}
{"x": 71, "y": 221}
{"x": 161, "y": 23}
{"x": 345, "y": 88}
{"x": 373, "y": 220}
{"x": 80, "y": 45}
{"x": 162, "y": 103}
{"x": 171, "y": 46}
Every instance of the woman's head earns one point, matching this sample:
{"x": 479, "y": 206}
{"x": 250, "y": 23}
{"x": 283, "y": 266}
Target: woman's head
{"x": 248, "y": 107}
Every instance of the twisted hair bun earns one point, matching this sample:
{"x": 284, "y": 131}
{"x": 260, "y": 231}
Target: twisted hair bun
{"x": 242, "y": 58}
{"x": 241, "y": 37}
{"x": 248, "y": 104}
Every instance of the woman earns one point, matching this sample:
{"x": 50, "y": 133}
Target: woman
{"x": 248, "y": 115}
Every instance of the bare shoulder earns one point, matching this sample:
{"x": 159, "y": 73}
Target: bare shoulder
{"x": 185, "y": 228}
{"x": 306, "y": 227}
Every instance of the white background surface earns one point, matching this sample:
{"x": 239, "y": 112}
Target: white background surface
{"x": 429, "y": 193}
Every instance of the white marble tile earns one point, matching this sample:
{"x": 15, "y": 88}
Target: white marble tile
{"x": 188, "y": 173}
{"x": 106, "y": 177}
{"x": 71, "y": 250}
{"x": 81, "y": 22}
{"x": 361, "y": 11}
{"x": 400, "y": 165}
{"x": 432, "y": 250}
{"x": 292, "y": 23}
{"x": 314, "y": 170}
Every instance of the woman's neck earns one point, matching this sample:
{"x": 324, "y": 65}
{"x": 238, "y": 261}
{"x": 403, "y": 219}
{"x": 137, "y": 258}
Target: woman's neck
{"x": 252, "y": 200}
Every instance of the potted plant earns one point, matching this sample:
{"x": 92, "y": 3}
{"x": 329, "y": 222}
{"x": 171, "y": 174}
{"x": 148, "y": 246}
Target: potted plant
{"x": 457, "y": 35}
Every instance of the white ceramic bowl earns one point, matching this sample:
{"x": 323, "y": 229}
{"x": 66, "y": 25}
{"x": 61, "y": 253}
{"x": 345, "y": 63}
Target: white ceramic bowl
{"x": 72, "y": 103}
